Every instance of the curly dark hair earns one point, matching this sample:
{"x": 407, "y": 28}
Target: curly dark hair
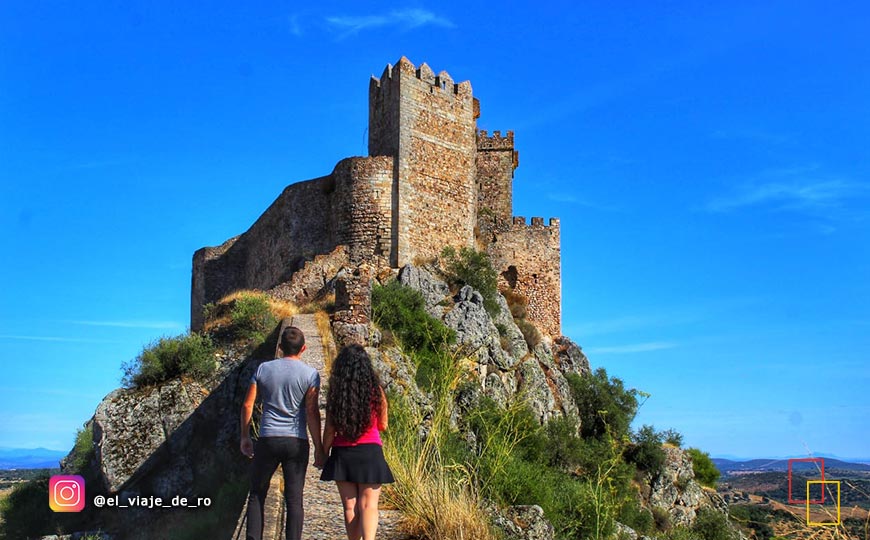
{"x": 354, "y": 392}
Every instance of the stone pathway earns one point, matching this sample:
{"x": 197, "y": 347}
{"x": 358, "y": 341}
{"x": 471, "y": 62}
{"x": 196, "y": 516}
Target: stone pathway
{"x": 323, "y": 512}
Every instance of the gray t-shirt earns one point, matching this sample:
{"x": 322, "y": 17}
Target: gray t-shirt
{"x": 282, "y": 383}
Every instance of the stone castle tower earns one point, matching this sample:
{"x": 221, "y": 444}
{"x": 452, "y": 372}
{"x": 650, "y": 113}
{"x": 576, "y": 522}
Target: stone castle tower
{"x": 431, "y": 180}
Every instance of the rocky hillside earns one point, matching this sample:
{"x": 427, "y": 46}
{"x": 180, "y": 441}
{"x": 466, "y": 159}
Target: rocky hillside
{"x": 180, "y": 437}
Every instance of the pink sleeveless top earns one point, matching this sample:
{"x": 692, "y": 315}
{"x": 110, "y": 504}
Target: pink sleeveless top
{"x": 370, "y": 436}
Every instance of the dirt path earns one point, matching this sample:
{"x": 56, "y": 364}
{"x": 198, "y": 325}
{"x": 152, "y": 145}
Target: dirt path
{"x": 323, "y": 513}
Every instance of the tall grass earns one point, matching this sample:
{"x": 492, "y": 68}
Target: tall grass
{"x": 435, "y": 495}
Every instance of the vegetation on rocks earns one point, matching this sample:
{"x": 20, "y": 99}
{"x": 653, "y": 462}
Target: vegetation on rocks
{"x": 705, "y": 470}
{"x": 170, "y": 357}
{"x": 471, "y": 267}
{"x": 579, "y": 470}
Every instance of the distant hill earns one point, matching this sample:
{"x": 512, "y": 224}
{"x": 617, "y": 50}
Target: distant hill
{"x": 727, "y": 466}
{"x": 29, "y": 458}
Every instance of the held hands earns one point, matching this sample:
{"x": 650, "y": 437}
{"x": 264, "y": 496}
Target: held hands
{"x": 247, "y": 447}
{"x": 319, "y": 458}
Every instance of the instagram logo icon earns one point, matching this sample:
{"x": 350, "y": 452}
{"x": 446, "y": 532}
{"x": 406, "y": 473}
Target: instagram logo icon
{"x": 66, "y": 493}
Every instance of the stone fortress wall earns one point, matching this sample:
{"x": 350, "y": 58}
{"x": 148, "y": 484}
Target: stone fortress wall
{"x": 432, "y": 180}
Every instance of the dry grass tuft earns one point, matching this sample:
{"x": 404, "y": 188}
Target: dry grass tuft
{"x": 219, "y": 315}
{"x": 437, "y": 500}
{"x": 324, "y": 328}
{"x": 325, "y": 303}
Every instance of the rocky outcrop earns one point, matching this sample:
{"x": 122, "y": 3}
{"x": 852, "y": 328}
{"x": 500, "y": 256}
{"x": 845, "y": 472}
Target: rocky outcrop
{"x": 676, "y": 491}
{"x": 178, "y": 438}
{"x": 131, "y": 425}
{"x": 477, "y": 333}
{"x": 569, "y": 356}
{"x": 435, "y": 291}
{"x": 524, "y": 522}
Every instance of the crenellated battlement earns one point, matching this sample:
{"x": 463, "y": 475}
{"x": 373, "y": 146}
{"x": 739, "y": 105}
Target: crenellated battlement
{"x": 496, "y": 141}
{"x": 519, "y": 223}
{"x": 441, "y": 82}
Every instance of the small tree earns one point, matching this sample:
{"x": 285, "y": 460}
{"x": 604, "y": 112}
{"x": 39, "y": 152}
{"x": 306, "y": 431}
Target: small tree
{"x": 673, "y": 437}
{"x": 646, "y": 452}
{"x": 603, "y": 403}
{"x": 705, "y": 470}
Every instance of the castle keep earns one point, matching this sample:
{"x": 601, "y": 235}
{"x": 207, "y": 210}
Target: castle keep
{"x": 432, "y": 179}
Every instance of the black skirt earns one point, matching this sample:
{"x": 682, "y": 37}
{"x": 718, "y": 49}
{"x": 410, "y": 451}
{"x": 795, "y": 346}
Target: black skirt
{"x": 361, "y": 464}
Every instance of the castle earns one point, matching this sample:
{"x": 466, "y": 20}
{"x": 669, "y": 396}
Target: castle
{"x": 431, "y": 180}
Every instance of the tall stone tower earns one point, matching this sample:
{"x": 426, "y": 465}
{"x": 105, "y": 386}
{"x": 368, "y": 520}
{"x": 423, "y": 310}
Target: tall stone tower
{"x": 426, "y": 123}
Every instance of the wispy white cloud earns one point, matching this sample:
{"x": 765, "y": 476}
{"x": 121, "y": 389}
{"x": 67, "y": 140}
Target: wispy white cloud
{"x": 404, "y": 19}
{"x": 632, "y": 348}
{"x": 801, "y": 189}
{"x": 149, "y": 325}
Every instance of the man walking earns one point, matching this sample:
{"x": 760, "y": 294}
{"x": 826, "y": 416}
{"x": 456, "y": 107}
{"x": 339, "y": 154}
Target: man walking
{"x": 290, "y": 390}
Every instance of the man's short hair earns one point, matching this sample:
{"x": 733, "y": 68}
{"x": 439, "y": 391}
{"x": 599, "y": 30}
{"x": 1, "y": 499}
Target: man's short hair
{"x": 292, "y": 341}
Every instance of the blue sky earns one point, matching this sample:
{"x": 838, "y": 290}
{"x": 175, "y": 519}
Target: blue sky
{"x": 708, "y": 162}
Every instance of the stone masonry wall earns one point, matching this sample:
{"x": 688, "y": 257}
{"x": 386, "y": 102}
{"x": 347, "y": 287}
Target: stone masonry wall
{"x": 308, "y": 219}
{"x": 496, "y": 161}
{"x": 528, "y": 260}
{"x": 436, "y": 197}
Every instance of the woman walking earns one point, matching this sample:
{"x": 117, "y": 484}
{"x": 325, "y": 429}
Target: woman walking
{"x": 356, "y": 413}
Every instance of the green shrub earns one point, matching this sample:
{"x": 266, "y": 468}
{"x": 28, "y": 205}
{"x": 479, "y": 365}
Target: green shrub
{"x": 646, "y": 451}
{"x": 637, "y": 517}
{"x": 83, "y": 450}
{"x": 662, "y": 518}
{"x": 564, "y": 449}
{"x": 252, "y": 318}
{"x": 167, "y": 358}
{"x": 402, "y": 311}
{"x": 472, "y": 267}
{"x": 705, "y": 470}
{"x": 712, "y": 525}
{"x": 673, "y": 437}
{"x": 681, "y": 533}
{"x": 753, "y": 517}
{"x": 25, "y": 512}
{"x": 604, "y": 404}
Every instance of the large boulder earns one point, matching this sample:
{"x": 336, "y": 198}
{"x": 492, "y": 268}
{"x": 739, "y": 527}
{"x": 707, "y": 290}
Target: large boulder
{"x": 535, "y": 390}
{"x": 675, "y": 489}
{"x": 179, "y": 438}
{"x": 476, "y": 332}
{"x": 510, "y": 332}
{"x": 569, "y": 356}
{"x": 396, "y": 372}
{"x": 434, "y": 290}
{"x": 558, "y": 384}
{"x": 130, "y": 425}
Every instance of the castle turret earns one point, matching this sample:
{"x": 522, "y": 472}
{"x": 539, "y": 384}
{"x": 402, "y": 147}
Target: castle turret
{"x": 496, "y": 161}
{"x": 426, "y": 123}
